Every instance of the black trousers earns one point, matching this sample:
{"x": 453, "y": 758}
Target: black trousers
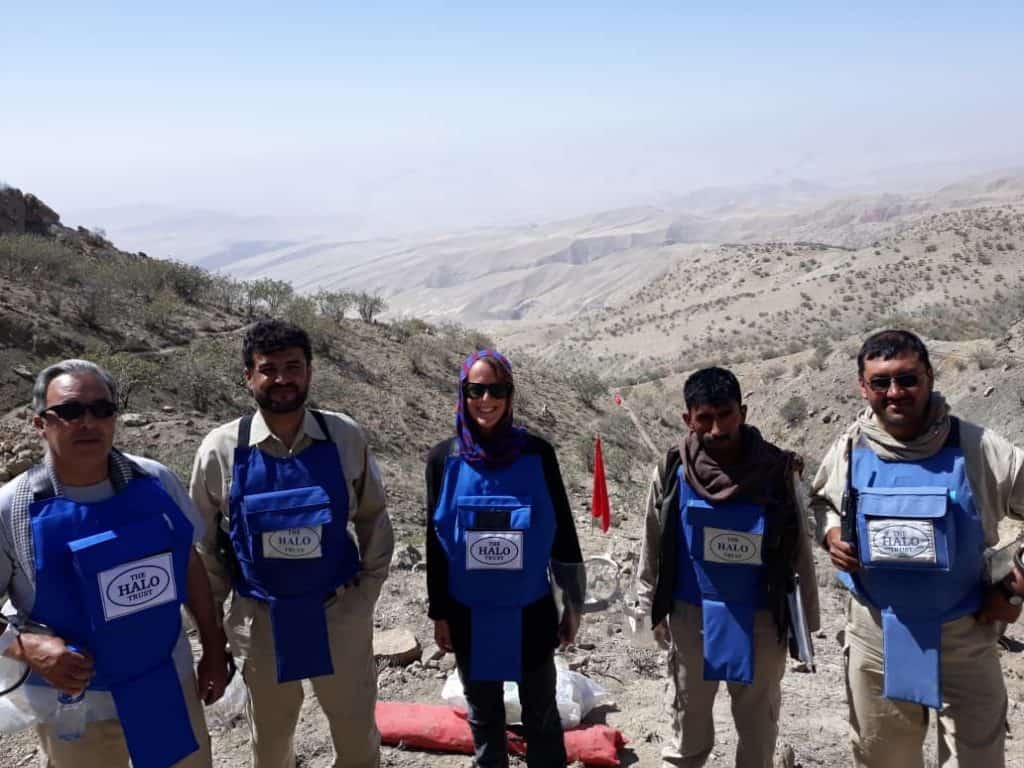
{"x": 545, "y": 746}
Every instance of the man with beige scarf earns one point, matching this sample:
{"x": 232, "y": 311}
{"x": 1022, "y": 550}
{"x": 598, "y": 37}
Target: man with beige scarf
{"x": 724, "y": 536}
{"x": 922, "y": 493}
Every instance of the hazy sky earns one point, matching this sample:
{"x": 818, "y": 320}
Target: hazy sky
{"x": 423, "y": 112}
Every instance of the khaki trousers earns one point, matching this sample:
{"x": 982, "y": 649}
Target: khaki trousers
{"x": 103, "y": 744}
{"x": 755, "y": 708}
{"x": 886, "y": 733}
{"x": 348, "y": 697}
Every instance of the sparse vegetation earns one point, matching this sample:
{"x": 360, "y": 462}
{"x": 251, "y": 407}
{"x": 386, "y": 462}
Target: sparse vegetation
{"x": 794, "y": 410}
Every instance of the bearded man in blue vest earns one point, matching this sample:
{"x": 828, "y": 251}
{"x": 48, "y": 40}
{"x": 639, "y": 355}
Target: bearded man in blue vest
{"x": 724, "y": 537}
{"x": 280, "y": 490}
{"x": 908, "y": 500}
{"x": 96, "y": 554}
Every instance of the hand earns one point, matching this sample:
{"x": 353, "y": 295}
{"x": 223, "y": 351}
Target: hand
{"x": 443, "y": 636}
{"x": 995, "y": 607}
{"x": 66, "y": 670}
{"x": 662, "y": 635}
{"x": 843, "y": 554}
{"x": 568, "y": 627}
{"x": 213, "y": 673}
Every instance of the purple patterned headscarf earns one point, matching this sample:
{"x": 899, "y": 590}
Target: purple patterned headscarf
{"x": 505, "y": 445}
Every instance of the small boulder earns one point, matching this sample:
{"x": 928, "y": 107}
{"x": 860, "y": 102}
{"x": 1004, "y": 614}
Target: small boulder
{"x": 406, "y": 557}
{"x": 134, "y": 420}
{"x": 396, "y": 647}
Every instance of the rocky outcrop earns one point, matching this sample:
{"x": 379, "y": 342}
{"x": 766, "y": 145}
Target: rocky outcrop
{"x": 21, "y": 213}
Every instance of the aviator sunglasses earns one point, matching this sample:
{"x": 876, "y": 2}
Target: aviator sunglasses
{"x": 904, "y": 380}
{"x": 499, "y": 390}
{"x": 74, "y": 410}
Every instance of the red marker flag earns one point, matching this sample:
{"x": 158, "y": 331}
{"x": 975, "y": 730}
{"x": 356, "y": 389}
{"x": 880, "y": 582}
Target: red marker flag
{"x": 599, "y": 506}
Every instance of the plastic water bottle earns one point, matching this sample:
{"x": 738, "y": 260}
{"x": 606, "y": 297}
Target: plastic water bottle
{"x": 70, "y": 720}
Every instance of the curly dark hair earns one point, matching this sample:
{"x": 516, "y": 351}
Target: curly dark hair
{"x": 272, "y": 335}
{"x": 711, "y": 386}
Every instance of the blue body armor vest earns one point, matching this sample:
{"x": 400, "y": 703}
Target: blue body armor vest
{"x": 720, "y": 567}
{"x": 111, "y": 577}
{"x": 497, "y": 527}
{"x": 288, "y": 529}
{"x": 921, "y": 546}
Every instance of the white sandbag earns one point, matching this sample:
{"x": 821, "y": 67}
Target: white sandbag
{"x": 230, "y": 706}
{"x": 575, "y": 695}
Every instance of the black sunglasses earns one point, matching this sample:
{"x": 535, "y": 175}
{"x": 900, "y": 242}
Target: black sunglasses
{"x": 74, "y": 410}
{"x": 499, "y": 390}
{"x": 905, "y": 381}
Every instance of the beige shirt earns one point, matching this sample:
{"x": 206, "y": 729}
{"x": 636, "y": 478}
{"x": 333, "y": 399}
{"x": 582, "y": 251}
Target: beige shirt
{"x": 995, "y": 469}
{"x": 368, "y": 521}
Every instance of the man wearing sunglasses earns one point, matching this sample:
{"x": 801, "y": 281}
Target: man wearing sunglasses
{"x": 97, "y": 556}
{"x": 280, "y": 490}
{"x": 908, "y": 503}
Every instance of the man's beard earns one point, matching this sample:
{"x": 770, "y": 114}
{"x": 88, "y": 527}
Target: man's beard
{"x": 266, "y": 401}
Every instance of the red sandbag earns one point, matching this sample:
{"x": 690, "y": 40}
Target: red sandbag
{"x": 443, "y": 729}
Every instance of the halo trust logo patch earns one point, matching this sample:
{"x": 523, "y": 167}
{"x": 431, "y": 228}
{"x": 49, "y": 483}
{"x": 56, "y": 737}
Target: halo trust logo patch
{"x": 723, "y": 546}
{"x": 494, "y": 550}
{"x": 293, "y": 543}
{"x": 894, "y": 540}
{"x": 137, "y": 586}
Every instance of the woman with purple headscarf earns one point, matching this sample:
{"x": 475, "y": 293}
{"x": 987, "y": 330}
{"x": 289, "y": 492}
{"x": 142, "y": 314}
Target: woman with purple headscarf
{"x": 498, "y": 524}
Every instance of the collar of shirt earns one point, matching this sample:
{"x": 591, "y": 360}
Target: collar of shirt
{"x": 260, "y": 432}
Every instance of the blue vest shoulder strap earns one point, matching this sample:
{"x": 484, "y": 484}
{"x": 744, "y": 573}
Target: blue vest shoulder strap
{"x": 953, "y": 439}
{"x": 244, "y": 430}
{"x": 322, "y": 423}
{"x": 40, "y": 484}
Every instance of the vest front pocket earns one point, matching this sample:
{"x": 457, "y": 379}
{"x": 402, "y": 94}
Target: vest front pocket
{"x": 904, "y": 527}
{"x": 494, "y": 529}
{"x": 288, "y": 536}
{"x": 287, "y": 524}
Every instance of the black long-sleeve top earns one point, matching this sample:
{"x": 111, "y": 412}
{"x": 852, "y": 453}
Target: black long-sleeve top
{"x": 540, "y": 618}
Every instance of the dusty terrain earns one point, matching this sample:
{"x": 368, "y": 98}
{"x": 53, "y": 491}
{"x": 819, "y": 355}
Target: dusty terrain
{"x": 175, "y": 337}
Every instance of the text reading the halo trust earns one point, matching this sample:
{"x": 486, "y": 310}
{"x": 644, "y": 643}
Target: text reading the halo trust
{"x": 494, "y": 550}
{"x": 732, "y": 547}
{"x": 137, "y": 586}
{"x": 293, "y": 543}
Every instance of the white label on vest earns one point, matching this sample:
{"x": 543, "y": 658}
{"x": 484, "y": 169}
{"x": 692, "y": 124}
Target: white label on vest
{"x": 137, "y": 586}
{"x": 732, "y": 547}
{"x": 494, "y": 550}
{"x": 902, "y": 541}
{"x": 293, "y": 544}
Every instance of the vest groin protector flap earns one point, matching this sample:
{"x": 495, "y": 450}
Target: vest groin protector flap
{"x": 905, "y": 527}
{"x": 492, "y": 535}
{"x": 294, "y": 562}
{"x": 725, "y": 541}
{"x": 130, "y": 580}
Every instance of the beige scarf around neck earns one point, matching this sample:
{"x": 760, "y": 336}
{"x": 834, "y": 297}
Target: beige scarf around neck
{"x": 928, "y": 443}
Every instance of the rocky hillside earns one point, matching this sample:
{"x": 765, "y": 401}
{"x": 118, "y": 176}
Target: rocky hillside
{"x": 171, "y": 333}
{"x": 953, "y": 275}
